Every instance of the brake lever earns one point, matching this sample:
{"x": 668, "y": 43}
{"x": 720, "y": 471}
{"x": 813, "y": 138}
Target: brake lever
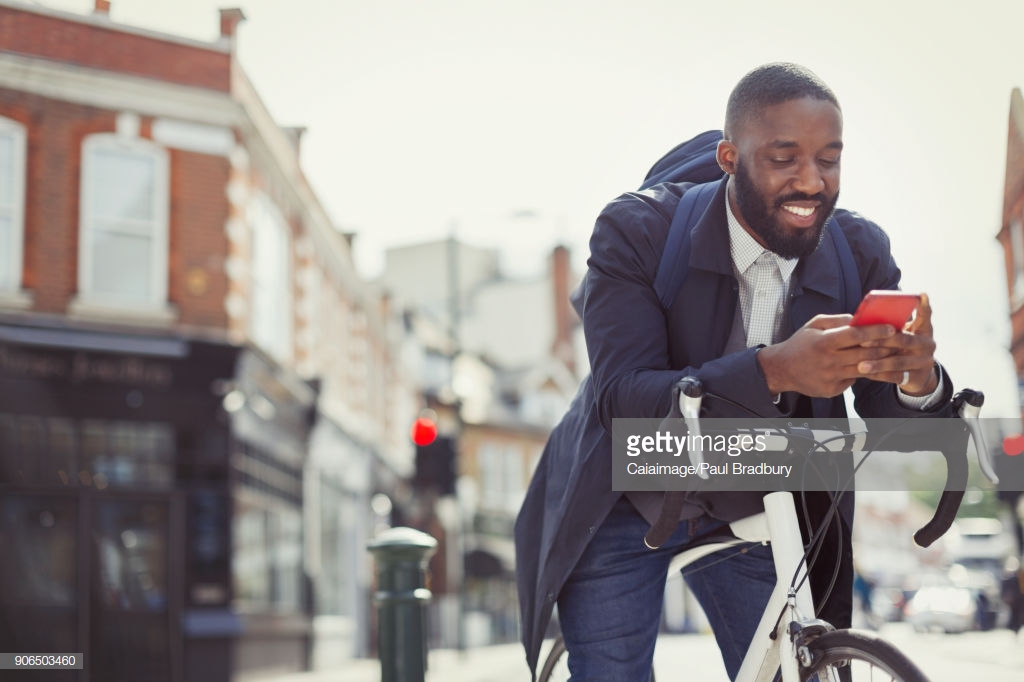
{"x": 967, "y": 404}
{"x": 691, "y": 394}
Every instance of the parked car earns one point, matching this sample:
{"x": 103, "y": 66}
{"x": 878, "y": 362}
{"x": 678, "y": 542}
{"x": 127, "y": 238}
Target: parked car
{"x": 948, "y": 608}
{"x": 984, "y": 578}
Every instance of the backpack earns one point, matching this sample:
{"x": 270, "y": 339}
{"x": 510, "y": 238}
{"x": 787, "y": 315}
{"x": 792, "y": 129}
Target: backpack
{"x": 695, "y": 161}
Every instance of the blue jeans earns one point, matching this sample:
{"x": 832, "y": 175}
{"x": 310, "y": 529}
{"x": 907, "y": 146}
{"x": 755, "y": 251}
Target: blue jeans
{"x": 610, "y": 608}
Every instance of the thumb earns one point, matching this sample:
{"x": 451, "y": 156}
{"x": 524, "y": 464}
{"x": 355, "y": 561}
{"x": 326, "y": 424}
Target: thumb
{"x": 828, "y": 321}
{"x": 922, "y": 323}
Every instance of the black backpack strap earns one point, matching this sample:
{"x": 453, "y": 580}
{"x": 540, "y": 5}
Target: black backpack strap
{"x": 675, "y": 258}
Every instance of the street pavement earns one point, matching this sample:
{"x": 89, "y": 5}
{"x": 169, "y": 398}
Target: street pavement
{"x": 696, "y": 654}
{"x": 499, "y": 663}
{"x": 992, "y": 656}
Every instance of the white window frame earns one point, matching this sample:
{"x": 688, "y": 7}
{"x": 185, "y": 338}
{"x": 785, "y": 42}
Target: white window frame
{"x": 15, "y": 255}
{"x": 280, "y": 347}
{"x": 89, "y": 301}
{"x": 502, "y": 482}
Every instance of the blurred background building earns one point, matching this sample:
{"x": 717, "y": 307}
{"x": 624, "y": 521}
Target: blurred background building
{"x": 1011, "y": 237}
{"x": 498, "y": 359}
{"x": 204, "y": 409}
{"x": 200, "y": 397}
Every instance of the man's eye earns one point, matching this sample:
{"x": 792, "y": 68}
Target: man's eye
{"x": 829, "y": 162}
{"x": 781, "y": 161}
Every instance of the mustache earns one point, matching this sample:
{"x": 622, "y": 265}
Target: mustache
{"x": 800, "y": 196}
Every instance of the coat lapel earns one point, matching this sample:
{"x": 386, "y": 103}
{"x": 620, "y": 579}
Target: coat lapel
{"x": 817, "y": 290}
{"x": 817, "y": 287}
{"x": 701, "y": 316}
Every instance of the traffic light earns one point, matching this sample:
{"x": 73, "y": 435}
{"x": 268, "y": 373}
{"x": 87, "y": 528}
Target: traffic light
{"x": 435, "y": 465}
{"x": 424, "y": 430}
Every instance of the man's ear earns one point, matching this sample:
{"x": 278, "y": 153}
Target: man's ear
{"x": 726, "y": 155}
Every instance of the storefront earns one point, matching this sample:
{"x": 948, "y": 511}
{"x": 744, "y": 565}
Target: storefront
{"x": 112, "y": 468}
{"x": 271, "y": 416}
{"x": 151, "y": 495}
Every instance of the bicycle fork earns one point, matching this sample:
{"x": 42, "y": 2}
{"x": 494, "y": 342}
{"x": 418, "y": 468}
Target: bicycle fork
{"x": 777, "y": 648}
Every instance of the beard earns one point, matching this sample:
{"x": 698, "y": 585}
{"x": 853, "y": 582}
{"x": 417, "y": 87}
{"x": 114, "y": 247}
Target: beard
{"x": 762, "y": 218}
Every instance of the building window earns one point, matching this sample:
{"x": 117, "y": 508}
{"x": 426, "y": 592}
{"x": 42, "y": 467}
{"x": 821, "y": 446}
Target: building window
{"x": 501, "y": 472}
{"x": 267, "y": 559}
{"x": 124, "y": 206}
{"x": 12, "y": 203}
{"x": 128, "y": 454}
{"x": 271, "y": 321}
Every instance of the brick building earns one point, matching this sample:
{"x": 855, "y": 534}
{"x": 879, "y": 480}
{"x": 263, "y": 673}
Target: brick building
{"x": 1011, "y": 233}
{"x": 1011, "y": 237}
{"x": 198, "y": 395}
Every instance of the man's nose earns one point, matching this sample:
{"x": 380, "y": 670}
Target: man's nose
{"x": 808, "y": 179}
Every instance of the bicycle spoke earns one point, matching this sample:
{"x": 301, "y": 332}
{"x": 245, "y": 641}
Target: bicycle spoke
{"x": 847, "y": 655}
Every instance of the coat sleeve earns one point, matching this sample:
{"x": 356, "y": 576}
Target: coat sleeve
{"x": 624, "y": 323}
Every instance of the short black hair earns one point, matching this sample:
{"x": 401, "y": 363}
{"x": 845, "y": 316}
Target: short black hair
{"x": 771, "y": 84}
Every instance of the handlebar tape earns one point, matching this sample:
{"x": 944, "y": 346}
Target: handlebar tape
{"x": 945, "y": 512}
{"x": 955, "y": 454}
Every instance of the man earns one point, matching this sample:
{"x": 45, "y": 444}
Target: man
{"x": 758, "y": 320}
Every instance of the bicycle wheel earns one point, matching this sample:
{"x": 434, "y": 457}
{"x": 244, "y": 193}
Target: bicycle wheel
{"x": 855, "y": 656}
{"x": 556, "y": 665}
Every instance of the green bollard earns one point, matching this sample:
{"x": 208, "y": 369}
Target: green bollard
{"x": 401, "y": 555}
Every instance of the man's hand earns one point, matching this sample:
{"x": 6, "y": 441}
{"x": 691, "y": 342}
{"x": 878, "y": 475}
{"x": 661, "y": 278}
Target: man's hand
{"x": 821, "y": 358}
{"x": 911, "y": 363}
{"x": 826, "y": 356}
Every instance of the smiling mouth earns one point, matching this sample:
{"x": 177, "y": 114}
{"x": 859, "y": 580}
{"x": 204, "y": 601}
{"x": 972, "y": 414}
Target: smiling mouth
{"x": 800, "y": 211}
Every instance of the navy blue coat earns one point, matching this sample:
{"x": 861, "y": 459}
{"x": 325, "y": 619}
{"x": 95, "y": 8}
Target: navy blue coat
{"x": 639, "y": 350}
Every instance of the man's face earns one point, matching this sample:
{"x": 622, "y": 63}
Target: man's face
{"x": 785, "y": 167}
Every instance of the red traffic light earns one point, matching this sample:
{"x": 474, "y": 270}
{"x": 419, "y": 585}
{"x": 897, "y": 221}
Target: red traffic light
{"x": 1013, "y": 444}
{"x": 424, "y": 431}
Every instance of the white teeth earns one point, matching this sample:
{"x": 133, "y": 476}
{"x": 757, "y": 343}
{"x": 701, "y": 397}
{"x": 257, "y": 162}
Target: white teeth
{"x": 797, "y": 210}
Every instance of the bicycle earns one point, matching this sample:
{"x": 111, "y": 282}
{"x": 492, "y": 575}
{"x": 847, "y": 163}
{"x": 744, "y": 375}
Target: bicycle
{"x": 787, "y": 644}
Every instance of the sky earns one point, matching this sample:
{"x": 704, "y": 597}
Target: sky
{"x": 511, "y": 123}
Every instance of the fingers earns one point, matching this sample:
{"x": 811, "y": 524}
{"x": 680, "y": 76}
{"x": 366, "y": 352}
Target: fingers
{"x": 865, "y": 336}
{"x": 910, "y": 364}
{"x": 828, "y": 321}
{"x": 891, "y": 369}
{"x": 902, "y": 352}
{"x": 922, "y": 322}
{"x": 921, "y": 381}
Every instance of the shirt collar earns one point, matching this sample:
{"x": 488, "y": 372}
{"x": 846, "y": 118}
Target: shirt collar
{"x": 745, "y": 249}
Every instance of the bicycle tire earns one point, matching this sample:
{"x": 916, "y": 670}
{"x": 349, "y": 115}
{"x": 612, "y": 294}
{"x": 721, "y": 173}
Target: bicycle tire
{"x": 851, "y": 654}
{"x": 556, "y": 665}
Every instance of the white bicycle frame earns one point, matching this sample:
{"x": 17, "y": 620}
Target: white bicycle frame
{"x": 779, "y": 525}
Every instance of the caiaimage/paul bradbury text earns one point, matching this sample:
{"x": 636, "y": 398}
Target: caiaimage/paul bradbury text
{"x": 704, "y": 469}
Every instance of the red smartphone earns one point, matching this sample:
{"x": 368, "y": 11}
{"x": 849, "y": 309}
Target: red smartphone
{"x": 885, "y": 307}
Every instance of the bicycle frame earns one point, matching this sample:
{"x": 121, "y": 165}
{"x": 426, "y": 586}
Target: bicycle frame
{"x": 778, "y": 524}
{"x": 779, "y": 641}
